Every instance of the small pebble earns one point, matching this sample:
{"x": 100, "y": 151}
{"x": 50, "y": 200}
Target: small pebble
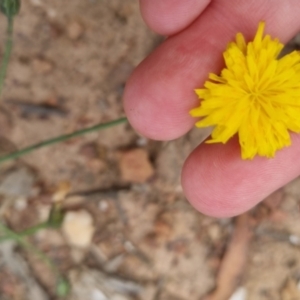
{"x": 78, "y": 228}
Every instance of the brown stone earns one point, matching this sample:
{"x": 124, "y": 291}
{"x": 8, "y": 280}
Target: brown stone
{"x": 135, "y": 166}
{"x": 74, "y": 30}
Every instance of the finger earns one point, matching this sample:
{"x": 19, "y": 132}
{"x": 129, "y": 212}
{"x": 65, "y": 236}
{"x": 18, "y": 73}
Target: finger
{"x": 219, "y": 183}
{"x": 170, "y": 16}
{"x": 159, "y": 94}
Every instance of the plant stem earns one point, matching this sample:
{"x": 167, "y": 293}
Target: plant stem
{"x": 61, "y": 138}
{"x": 34, "y": 229}
{"x": 62, "y": 285}
{"x": 9, "y": 234}
{"x": 7, "y": 52}
{"x": 27, "y": 232}
{"x": 19, "y": 238}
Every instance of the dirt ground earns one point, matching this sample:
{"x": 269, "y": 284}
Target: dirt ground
{"x": 127, "y": 233}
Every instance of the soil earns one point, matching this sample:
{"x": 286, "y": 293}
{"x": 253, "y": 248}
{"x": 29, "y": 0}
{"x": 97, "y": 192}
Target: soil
{"x": 128, "y": 231}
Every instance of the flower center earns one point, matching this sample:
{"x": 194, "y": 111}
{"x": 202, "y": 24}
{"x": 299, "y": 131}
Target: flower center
{"x": 256, "y": 94}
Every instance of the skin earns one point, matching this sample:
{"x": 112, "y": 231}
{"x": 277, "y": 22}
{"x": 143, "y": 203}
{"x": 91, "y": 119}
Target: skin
{"x": 160, "y": 93}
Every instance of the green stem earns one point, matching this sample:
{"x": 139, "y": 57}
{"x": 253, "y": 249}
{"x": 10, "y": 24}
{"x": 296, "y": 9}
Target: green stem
{"x": 61, "y": 138}
{"x": 34, "y": 229}
{"x": 19, "y": 238}
{"x": 7, "y": 52}
{"x": 9, "y": 234}
{"x": 27, "y": 232}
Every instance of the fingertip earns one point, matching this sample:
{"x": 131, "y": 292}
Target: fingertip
{"x": 170, "y": 16}
{"x": 160, "y": 93}
{"x": 217, "y": 182}
{"x": 149, "y": 108}
{"x": 205, "y": 179}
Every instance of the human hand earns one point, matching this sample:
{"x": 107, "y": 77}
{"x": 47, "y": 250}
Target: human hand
{"x": 160, "y": 94}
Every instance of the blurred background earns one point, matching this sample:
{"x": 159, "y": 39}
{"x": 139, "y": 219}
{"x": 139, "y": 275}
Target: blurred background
{"x": 127, "y": 231}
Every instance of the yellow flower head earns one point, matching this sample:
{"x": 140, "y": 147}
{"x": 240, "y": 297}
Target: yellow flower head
{"x": 257, "y": 96}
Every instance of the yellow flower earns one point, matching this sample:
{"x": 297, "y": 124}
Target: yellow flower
{"x": 257, "y": 96}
